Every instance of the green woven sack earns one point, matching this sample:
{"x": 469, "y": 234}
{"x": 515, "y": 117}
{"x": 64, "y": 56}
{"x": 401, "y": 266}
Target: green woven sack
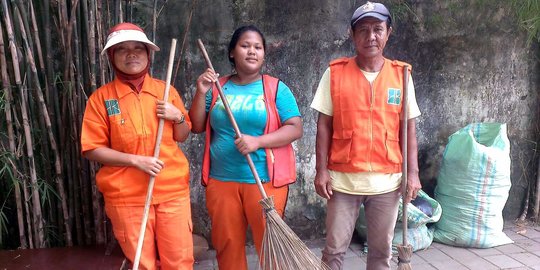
{"x": 473, "y": 186}
{"x": 420, "y": 237}
{"x": 418, "y": 234}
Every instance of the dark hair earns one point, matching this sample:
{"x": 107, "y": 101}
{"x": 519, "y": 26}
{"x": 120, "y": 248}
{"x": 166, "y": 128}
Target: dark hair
{"x": 238, "y": 33}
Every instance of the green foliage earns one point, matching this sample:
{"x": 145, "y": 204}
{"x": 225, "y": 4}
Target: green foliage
{"x": 528, "y": 13}
{"x": 3, "y": 219}
{"x": 52, "y": 236}
{"x": 400, "y": 10}
{"x": 3, "y": 100}
{"x": 47, "y": 193}
{"x": 6, "y": 173}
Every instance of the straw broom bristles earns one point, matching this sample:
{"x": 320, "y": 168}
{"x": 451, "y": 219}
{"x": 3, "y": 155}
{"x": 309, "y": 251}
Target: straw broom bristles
{"x": 404, "y": 257}
{"x": 281, "y": 248}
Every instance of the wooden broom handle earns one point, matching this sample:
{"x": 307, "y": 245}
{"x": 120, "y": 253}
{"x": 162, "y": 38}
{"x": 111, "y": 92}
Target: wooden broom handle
{"x": 231, "y": 118}
{"x": 156, "y": 155}
{"x": 404, "y": 124}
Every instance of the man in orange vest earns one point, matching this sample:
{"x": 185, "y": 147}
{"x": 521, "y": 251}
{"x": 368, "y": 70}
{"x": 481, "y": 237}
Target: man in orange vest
{"x": 358, "y": 148}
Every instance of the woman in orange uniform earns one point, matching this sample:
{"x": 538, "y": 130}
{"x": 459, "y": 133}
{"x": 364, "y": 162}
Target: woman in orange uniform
{"x": 119, "y": 131}
{"x": 268, "y": 117}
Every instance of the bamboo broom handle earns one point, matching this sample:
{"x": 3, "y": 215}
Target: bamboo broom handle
{"x": 231, "y": 118}
{"x": 404, "y": 119}
{"x": 156, "y": 155}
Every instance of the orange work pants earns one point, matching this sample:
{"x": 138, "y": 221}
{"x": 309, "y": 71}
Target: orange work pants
{"x": 233, "y": 206}
{"x": 168, "y": 231}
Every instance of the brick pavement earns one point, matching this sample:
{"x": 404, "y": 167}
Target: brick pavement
{"x": 524, "y": 253}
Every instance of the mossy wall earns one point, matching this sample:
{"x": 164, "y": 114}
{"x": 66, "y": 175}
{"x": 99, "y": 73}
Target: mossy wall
{"x": 471, "y": 63}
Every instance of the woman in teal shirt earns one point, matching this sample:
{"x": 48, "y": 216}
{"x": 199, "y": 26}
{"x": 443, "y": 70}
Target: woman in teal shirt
{"x": 231, "y": 193}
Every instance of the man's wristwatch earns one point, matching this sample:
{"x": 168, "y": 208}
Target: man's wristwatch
{"x": 181, "y": 120}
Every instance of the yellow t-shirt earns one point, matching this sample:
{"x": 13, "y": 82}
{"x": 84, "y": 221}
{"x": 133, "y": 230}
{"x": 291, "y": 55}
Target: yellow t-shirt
{"x": 362, "y": 183}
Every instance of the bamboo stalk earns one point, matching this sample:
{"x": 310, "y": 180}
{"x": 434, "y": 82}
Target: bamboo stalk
{"x": 186, "y": 31}
{"x": 36, "y": 38}
{"x": 22, "y": 29}
{"x": 129, "y": 3}
{"x": 96, "y": 207}
{"x": 52, "y": 141}
{"x": 91, "y": 40}
{"x": 154, "y": 25}
{"x": 69, "y": 75}
{"x": 62, "y": 22}
{"x": 52, "y": 93}
{"x": 119, "y": 12}
{"x": 103, "y": 79}
{"x": 99, "y": 215}
{"x": 37, "y": 219}
{"x": 75, "y": 194}
{"x": 537, "y": 198}
{"x": 35, "y": 48}
{"x": 76, "y": 77}
{"x": 11, "y": 138}
{"x": 45, "y": 169}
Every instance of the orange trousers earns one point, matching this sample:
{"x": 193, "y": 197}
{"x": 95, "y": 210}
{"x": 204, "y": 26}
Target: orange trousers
{"x": 168, "y": 231}
{"x": 233, "y": 206}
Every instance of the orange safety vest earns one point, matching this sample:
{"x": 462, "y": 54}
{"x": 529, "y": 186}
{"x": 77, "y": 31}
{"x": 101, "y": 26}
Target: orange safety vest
{"x": 280, "y": 161}
{"x": 366, "y": 118}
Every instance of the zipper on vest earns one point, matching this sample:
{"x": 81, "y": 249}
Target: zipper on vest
{"x": 371, "y": 125}
{"x": 272, "y": 156}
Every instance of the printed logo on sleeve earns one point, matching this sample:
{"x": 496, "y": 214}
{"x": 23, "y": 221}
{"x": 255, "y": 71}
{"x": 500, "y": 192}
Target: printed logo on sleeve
{"x": 394, "y": 96}
{"x": 113, "y": 108}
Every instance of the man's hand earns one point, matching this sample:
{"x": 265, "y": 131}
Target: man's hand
{"x": 322, "y": 184}
{"x": 413, "y": 186}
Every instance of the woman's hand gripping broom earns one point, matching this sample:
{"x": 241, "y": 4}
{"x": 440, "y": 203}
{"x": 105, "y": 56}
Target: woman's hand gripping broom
{"x": 281, "y": 247}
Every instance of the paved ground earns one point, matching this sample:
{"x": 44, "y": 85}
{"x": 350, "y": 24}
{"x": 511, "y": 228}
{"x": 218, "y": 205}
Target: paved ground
{"x": 524, "y": 253}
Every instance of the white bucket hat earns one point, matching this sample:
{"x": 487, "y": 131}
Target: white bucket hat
{"x": 127, "y": 32}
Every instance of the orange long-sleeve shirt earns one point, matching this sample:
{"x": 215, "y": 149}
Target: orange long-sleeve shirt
{"x": 121, "y": 119}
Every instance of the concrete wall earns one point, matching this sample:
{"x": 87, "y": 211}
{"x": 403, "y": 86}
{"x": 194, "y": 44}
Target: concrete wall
{"x": 470, "y": 63}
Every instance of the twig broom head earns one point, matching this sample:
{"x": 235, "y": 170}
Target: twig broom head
{"x": 281, "y": 247}
{"x": 404, "y": 257}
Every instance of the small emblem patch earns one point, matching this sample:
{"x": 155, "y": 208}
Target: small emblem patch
{"x": 112, "y": 107}
{"x": 394, "y": 96}
{"x": 368, "y": 6}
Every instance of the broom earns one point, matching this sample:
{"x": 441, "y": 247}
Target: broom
{"x": 404, "y": 250}
{"x": 156, "y": 155}
{"x": 281, "y": 247}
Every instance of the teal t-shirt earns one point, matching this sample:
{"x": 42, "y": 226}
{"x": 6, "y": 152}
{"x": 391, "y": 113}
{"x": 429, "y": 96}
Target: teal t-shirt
{"x": 248, "y": 108}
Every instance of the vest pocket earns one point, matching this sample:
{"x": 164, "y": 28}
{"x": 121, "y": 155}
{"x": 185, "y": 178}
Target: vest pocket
{"x": 341, "y": 146}
{"x": 393, "y": 150}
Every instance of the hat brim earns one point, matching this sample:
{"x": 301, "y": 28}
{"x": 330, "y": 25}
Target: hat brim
{"x": 128, "y": 35}
{"x": 375, "y": 15}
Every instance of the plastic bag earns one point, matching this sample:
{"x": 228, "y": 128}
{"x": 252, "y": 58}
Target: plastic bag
{"x": 418, "y": 234}
{"x": 415, "y": 216}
